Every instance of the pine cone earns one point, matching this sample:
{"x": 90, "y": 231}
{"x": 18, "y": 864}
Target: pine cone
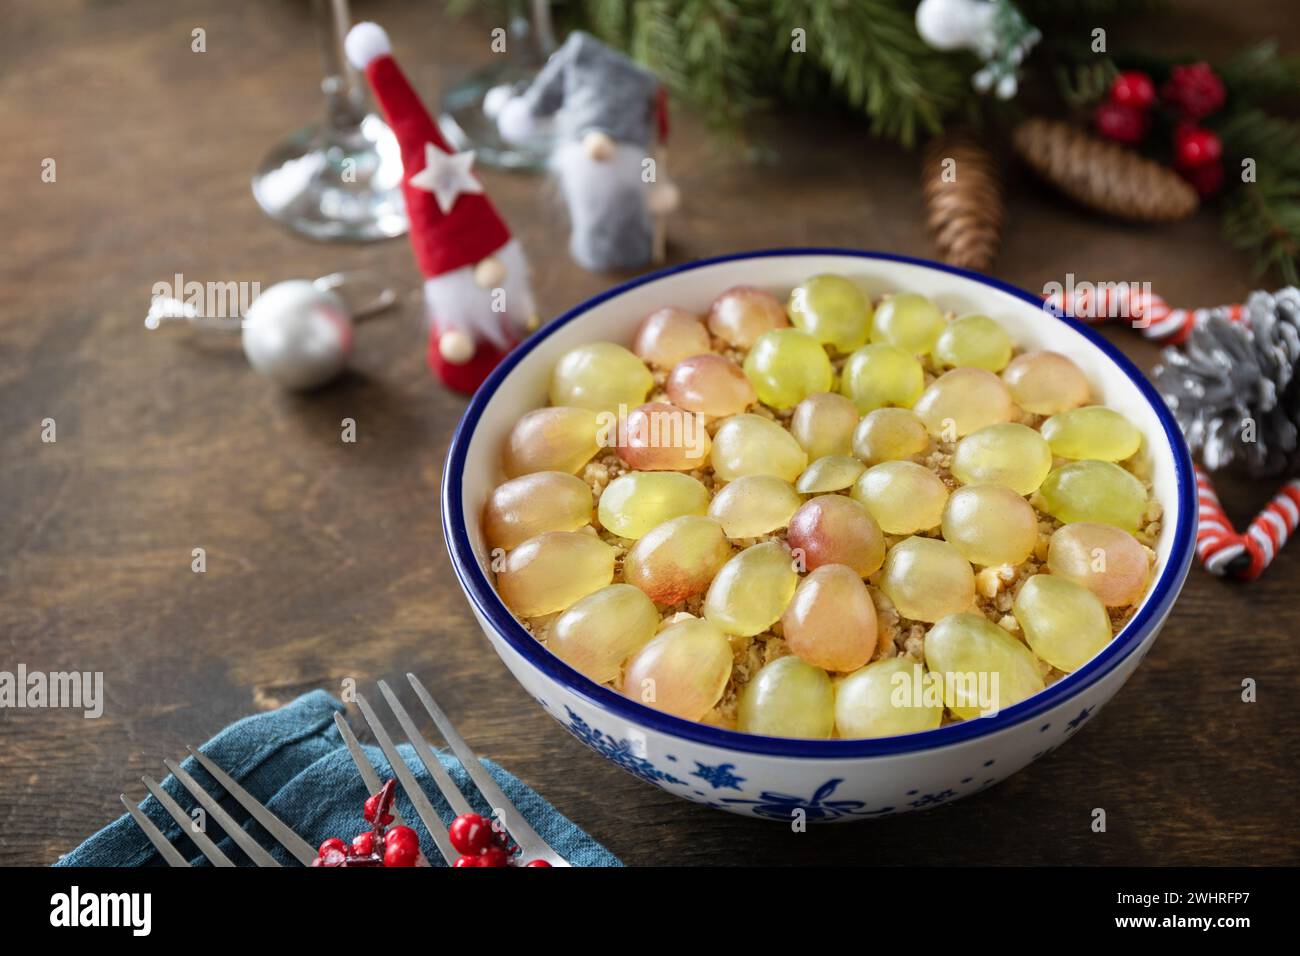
{"x": 964, "y": 208}
{"x": 1103, "y": 175}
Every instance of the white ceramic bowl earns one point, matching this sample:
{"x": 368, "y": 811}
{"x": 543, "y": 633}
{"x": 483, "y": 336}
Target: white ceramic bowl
{"x": 778, "y": 777}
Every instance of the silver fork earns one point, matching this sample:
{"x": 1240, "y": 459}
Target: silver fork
{"x": 531, "y": 845}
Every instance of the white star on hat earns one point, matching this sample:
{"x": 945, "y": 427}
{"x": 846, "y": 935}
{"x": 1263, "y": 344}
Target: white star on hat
{"x": 446, "y": 175}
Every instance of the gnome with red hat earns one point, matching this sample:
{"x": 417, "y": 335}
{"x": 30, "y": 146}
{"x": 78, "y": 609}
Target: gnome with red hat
{"x": 476, "y": 291}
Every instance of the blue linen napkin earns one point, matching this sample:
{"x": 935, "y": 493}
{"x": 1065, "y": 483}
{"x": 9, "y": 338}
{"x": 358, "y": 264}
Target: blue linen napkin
{"x": 294, "y": 761}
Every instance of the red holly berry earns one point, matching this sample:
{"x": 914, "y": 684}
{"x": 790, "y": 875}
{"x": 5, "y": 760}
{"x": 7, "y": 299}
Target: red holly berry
{"x": 468, "y": 861}
{"x": 1195, "y": 147}
{"x": 330, "y": 857}
{"x": 1206, "y": 179}
{"x": 335, "y": 844}
{"x": 494, "y": 856}
{"x": 537, "y": 863}
{"x": 1194, "y": 91}
{"x": 372, "y": 805}
{"x": 1133, "y": 88}
{"x": 1123, "y": 124}
{"x": 401, "y": 847}
{"x": 363, "y": 844}
{"x": 471, "y": 834}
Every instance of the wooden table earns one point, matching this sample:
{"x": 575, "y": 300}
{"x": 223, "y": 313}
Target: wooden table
{"x": 325, "y": 559}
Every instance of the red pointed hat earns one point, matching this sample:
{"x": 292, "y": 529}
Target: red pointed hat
{"x": 453, "y": 223}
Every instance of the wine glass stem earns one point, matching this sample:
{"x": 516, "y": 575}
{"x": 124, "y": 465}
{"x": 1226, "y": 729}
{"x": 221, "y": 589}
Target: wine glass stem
{"x": 344, "y": 99}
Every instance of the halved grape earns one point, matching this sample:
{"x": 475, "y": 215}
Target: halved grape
{"x": 1093, "y": 431}
{"x": 984, "y": 669}
{"x": 1046, "y": 383}
{"x": 786, "y": 366}
{"x": 754, "y": 445}
{"x": 548, "y": 573}
{"x": 1063, "y": 622}
{"x": 1106, "y": 560}
{"x": 788, "y": 698}
{"x": 902, "y": 496}
{"x": 990, "y": 525}
{"x": 831, "y": 621}
{"x": 884, "y": 699}
{"x": 526, "y": 506}
{"x": 1097, "y": 491}
{"x": 823, "y": 424}
{"x": 676, "y": 560}
{"x": 666, "y": 336}
{"x": 710, "y": 384}
{"x": 754, "y": 505}
{"x": 602, "y": 630}
{"x": 1008, "y": 454}
{"x": 880, "y": 374}
{"x": 889, "y": 434}
{"x": 662, "y": 437}
{"x": 975, "y": 341}
{"x": 600, "y": 376}
{"x": 752, "y": 589}
{"x": 927, "y": 579}
{"x": 740, "y": 315}
{"x": 552, "y": 439}
{"x": 962, "y": 401}
{"x": 832, "y": 310}
{"x": 833, "y": 529}
{"x": 683, "y": 671}
{"x": 910, "y": 321}
{"x": 831, "y": 473}
{"x": 634, "y": 503}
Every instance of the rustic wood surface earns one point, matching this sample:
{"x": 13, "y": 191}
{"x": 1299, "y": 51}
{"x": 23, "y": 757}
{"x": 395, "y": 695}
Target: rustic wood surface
{"x": 325, "y": 559}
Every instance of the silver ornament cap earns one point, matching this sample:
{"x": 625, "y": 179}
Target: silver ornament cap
{"x": 298, "y": 334}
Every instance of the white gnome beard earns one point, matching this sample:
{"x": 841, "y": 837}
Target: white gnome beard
{"x": 606, "y": 201}
{"x": 455, "y": 302}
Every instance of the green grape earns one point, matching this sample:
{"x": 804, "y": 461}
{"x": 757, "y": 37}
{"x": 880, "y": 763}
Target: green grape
{"x": 1107, "y": 561}
{"x": 634, "y": 503}
{"x": 832, "y": 473}
{"x": 879, "y": 374}
{"x": 974, "y": 341}
{"x": 889, "y": 434}
{"x": 666, "y": 336}
{"x": 600, "y": 376}
{"x": 831, "y": 621}
{"x": 711, "y": 385}
{"x": 754, "y": 505}
{"x": 1008, "y": 454}
{"x": 754, "y": 445}
{"x": 663, "y": 437}
{"x": 740, "y": 315}
{"x": 832, "y": 310}
{"x": 548, "y": 573}
{"x": 683, "y": 671}
{"x": 752, "y": 589}
{"x": 786, "y": 366}
{"x": 823, "y": 424}
{"x": 788, "y": 698}
{"x": 676, "y": 560}
{"x": 1097, "y": 491}
{"x": 927, "y": 579}
{"x": 879, "y": 700}
{"x": 902, "y": 496}
{"x": 524, "y": 507}
{"x": 962, "y": 401}
{"x": 602, "y": 630}
{"x": 1046, "y": 383}
{"x": 833, "y": 529}
{"x": 1093, "y": 431}
{"x": 552, "y": 439}
{"x": 990, "y": 525}
{"x": 908, "y": 320}
{"x": 1063, "y": 622}
{"x": 984, "y": 669}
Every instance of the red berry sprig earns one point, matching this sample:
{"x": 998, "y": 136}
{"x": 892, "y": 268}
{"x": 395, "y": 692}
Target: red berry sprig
{"x": 381, "y": 845}
{"x": 482, "y": 845}
{"x": 1194, "y": 91}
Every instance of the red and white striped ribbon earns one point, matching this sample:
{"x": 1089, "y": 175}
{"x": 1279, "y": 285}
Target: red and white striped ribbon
{"x": 1145, "y": 311}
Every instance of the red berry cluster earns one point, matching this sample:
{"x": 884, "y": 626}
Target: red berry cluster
{"x": 381, "y": 845}
{"x": 1193, "y": 92}
{"x": 480, "y": 845}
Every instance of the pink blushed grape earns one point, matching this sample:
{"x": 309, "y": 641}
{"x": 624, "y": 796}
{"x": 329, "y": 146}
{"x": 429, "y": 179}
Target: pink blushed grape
{"x": 526, "y": 506}
{"x": 710, "y": 384}
{"x": 741, "y": 314}
{"x": 676, "y": 560}
{"x": 683, "y": 671}
{"x": 831, "y": 621}
{"x": 835, "y": 529}
{"x": 1108, "y": 561}
{"x": 1046, "y": 383}
{"x": 662, "y": 437}
{"x": 666, "y": 336}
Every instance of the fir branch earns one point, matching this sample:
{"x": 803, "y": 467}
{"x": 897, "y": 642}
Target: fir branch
{"x": 1264, "y": 218}
{"x": 1259, "y": 74}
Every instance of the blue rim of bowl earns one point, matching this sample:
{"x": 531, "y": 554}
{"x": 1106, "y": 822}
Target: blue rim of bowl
{"x": 484, "y": 598}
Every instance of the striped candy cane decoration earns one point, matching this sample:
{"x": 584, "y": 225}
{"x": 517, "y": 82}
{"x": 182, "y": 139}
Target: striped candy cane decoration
{"x": 1146, "y": 311}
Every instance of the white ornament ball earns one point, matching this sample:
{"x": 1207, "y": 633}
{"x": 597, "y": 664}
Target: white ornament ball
{"x": 954, "y": 24}
{"x": 297, "y": 335}
{"x": 515, "y": 120}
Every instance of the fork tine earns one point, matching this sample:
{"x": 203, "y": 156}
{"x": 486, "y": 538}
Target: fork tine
{"x": 169, "y": 852}
{"x": 368, "y": 776}
{"x": 273, "y": 825}
{"x": 427, "y": 757}
{"x": 528, "y": 839}
{"x": 206, "y": 846}
{"x": 233, "y": 829}
{"x": 414, "y": 792}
